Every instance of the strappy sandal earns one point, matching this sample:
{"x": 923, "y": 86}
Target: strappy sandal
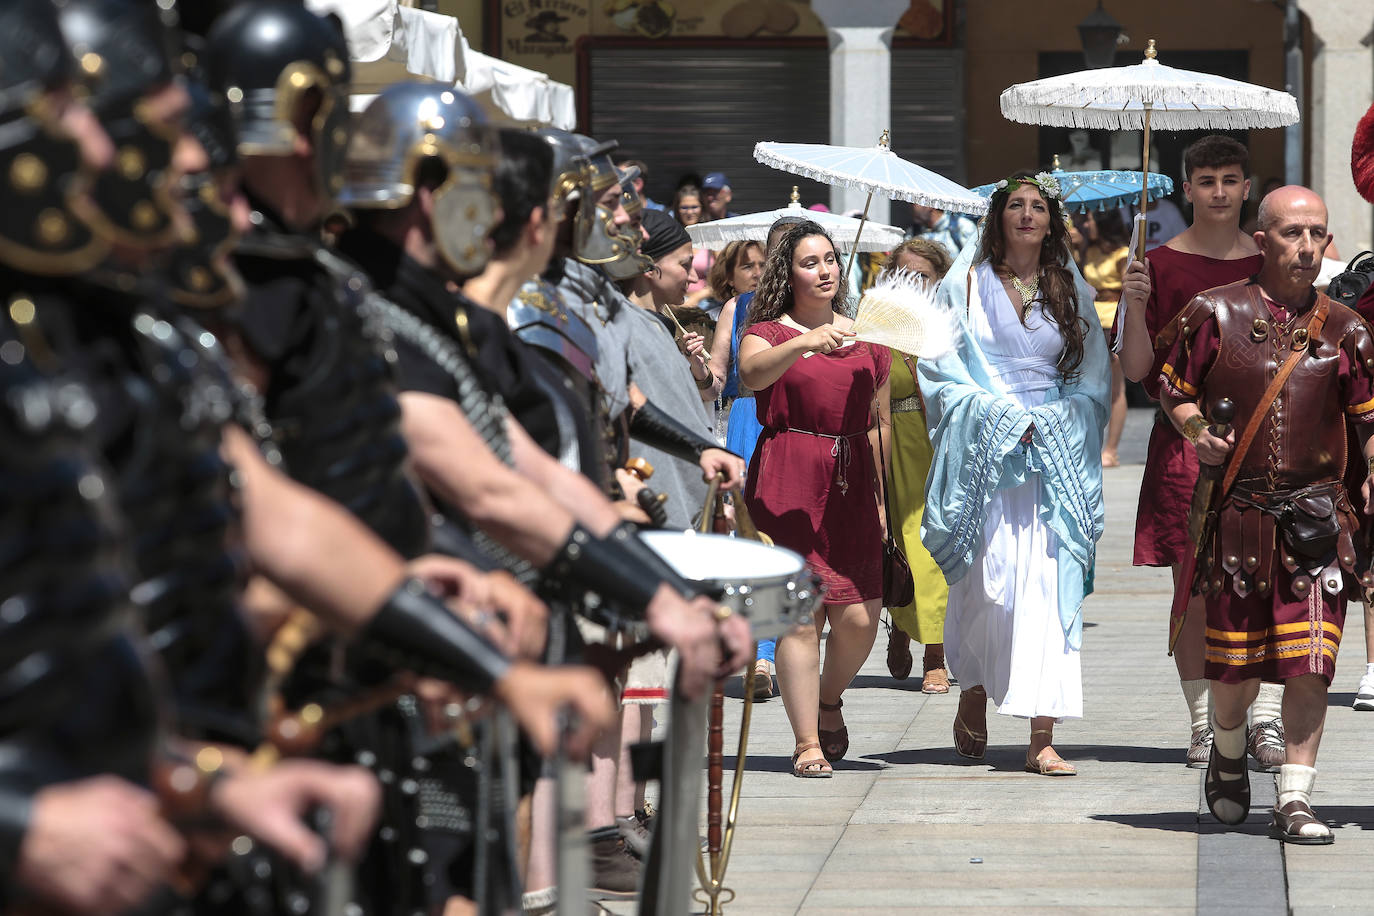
{"x": 1235, "y": 791}
{"x": 967, "y": 742}
{"x": 1289, "y": 821}
{"x": 811, "y": 769}
{"x": 935, "y": 680}
{"x": 834, "y": 742}
{"x": 1048, "y": 766}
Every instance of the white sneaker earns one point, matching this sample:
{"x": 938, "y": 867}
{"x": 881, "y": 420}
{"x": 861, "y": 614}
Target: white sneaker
{"x": 1364, "y": 697}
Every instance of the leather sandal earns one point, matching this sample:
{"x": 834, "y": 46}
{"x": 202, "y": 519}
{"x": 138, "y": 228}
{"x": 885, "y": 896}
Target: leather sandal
{"x": 936, "y": 681}
{"x": 899, "y": 660}
{"x": 1053, "y": 765}
{"x": 1289, "y": 821}
{"x": 811, "y": 769}
{"x": 835, "y": 741}
{"x": 967, "y": 742}
{"x": 1231, "y": 796}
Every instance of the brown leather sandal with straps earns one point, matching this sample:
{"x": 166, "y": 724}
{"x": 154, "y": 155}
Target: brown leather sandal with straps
{"x": 834, "y": 741}
{"x": 811, "y": 769}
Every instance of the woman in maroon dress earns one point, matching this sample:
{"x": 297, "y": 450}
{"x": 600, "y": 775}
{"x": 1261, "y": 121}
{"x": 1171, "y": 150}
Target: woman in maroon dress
{"x": 813, "y": 483}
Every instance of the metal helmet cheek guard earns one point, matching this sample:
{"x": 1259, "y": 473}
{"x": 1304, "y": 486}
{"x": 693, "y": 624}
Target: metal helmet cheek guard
{"x": 408, "y": 124}
{"x": 271, "y": 57}
{"x": 201, "y": 273}
{"x": 125, "y": 48}
{"x": 39, "y": 161}
{"x": 633, "y": 263}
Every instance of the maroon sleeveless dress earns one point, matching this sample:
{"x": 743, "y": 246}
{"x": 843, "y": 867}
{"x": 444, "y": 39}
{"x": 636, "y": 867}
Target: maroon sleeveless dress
{"x": 811, "y": 477}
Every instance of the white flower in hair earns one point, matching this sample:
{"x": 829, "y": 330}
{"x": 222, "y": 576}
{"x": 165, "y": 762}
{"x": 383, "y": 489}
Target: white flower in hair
{"x": 1049, "y": 184}
{"x": 1001, "y": 184}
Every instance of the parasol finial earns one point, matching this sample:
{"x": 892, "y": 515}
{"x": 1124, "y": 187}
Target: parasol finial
{"x": 796, "y": 194}
{"x": 1150, "y": 52}
{"x": 1054, "y": 166}
{"x": 885, "y": 140}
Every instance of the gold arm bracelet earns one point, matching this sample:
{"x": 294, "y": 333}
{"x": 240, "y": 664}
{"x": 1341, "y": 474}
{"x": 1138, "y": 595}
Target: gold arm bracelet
{"x": 1193, "y": 427}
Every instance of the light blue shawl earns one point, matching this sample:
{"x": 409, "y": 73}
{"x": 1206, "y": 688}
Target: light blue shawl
{"x": 976, "y": 430}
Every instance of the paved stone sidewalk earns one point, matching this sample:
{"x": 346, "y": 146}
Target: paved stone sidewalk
{"x": 907, "y": 826}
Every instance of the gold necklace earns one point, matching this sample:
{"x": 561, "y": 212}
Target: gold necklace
{"x": 1027, "y": 292}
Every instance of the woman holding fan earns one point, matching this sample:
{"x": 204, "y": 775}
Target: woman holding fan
{"x": 1014, "y": 497}
{"x": 811, "y": 483}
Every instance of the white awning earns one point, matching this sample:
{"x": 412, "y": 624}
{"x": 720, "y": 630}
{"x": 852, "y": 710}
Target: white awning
{"x": 388, "y": 42}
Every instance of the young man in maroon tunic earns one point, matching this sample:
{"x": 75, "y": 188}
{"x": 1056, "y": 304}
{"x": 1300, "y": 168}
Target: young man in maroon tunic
{"x": 1211, "y": 252}
{"x": 1284, "y": 554}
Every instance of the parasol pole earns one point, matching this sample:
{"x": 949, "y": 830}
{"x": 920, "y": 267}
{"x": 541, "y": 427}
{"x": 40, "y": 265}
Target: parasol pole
{"x": 1150, "y": 54}
{"x": 883, "y": 141}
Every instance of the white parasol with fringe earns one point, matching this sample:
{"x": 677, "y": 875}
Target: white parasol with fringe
{"x": 1145, "y": 95}
{"x": 875, "y": 169}
{"x": 753, "y": 227}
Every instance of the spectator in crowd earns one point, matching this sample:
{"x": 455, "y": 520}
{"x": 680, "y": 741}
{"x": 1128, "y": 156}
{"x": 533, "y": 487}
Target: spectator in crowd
{"x": 638, "y": 182}
{"x": 953, "y": 230}
{"x": 715, "y": 188}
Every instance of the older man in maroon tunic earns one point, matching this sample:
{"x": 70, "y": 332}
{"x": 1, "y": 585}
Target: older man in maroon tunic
{"x": 1284, "y": 555}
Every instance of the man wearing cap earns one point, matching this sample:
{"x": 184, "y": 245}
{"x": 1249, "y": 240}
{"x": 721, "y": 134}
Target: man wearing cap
{"x": 715, "y": 188}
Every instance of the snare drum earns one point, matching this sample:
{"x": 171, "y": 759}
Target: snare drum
{"x": 769, "y": 586}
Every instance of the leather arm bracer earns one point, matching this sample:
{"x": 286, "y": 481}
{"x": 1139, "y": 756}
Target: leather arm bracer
{"x": 655, "y": 428}
{"x": 620, "y": 568}
{"x": 419, "y": 631}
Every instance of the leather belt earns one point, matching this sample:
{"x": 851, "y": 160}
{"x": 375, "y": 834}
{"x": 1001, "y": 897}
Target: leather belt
{"x": 908, "y": 405}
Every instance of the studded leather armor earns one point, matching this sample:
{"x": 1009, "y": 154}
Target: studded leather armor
{"x": 75, "y": 695}
{"x": 331, "y": 402}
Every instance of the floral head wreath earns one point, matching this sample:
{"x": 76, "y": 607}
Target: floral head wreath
{"x": 1047, "y": 183}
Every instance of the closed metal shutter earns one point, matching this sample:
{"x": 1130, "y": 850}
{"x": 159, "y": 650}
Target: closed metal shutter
{"x": 699, "y": 110}
{"x": 928, "y": 110}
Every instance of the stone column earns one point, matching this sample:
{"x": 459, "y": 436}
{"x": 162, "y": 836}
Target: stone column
{"x": 860, "y": 34}
{"x": 1341, "y": 92}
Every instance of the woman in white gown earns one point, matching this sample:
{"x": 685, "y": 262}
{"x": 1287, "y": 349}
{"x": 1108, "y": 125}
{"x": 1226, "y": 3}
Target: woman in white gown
{"x": 1018, "y": 409}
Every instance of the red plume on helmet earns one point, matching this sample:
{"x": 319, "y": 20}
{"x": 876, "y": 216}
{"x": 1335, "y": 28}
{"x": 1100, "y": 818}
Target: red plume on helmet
{"x": 1362, "y": 156}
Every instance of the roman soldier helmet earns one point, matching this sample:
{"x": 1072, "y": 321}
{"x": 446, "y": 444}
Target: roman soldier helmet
{"x": 582, "y": 172}
{"x": 1362, "y": 156}
{"x": 408, "y": 125}
{"x": 124, "y": 49}
{"x": 39, "y": 161}
{"x": 271, "y": 57}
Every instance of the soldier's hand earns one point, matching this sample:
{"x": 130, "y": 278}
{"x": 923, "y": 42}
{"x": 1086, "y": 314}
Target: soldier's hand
{"x": 1212, "y": 450}
{"x": 96, "y": 846}
{"x": 1367, "y": 491}
{"x": 736, "y": 643}
{"x": 269, "y": 806}
{"x": 689, "y": 627}
{"x": 525, "y": 616}
{"x": 718, "y": 461}
{"x": 535, "y": 695}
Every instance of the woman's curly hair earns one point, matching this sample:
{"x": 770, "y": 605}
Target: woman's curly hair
{"x": 1057, "y": 290}
{"x": 774, "y": 295}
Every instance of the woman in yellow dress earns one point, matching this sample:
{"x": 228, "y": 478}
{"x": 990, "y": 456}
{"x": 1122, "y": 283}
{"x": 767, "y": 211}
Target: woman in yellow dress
{"x": 1105, "y": 253}
{"x": 923, "y": 619}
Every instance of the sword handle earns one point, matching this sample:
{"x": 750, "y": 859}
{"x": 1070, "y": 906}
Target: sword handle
{"x": 1219, "y": 425}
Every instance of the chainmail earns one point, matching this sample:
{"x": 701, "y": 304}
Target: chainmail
{"x": 486, "y": 412}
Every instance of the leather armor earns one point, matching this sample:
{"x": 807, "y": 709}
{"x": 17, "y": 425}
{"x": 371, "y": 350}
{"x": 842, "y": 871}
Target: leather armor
{"x": 76, "y": 697}
{"x": 1290, "y": 478}
{"x": 331, "y": 403}
{"x": 166, "y": 396}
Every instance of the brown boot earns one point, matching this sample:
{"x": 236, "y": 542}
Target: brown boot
{"x": 899, "y": 660}
{"x": 615, "y": 870}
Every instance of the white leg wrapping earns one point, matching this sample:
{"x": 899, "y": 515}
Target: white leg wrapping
{"x": 1268, "y": 704}
{"x": 1294, "y": 783}
{"x": 1197, "y": 695}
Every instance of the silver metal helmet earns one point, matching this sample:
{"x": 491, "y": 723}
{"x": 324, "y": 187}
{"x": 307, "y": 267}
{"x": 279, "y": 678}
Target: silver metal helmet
{"x": 403, "y": 127}
{"x": 582, "y": 173}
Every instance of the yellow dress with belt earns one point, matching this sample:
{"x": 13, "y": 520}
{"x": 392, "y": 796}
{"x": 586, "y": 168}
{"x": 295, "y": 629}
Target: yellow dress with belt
{"x": 924, "y": 619}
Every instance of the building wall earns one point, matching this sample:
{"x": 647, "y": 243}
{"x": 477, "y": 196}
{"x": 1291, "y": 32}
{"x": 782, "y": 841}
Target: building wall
{"x": 1004, "y": 39}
